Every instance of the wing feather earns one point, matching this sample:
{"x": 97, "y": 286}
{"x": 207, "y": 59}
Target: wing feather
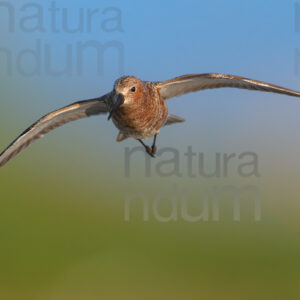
{"x": 72, "y": 112}
{"x": 195, "y": 82}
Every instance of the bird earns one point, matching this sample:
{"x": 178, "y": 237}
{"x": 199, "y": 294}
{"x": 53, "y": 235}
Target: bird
{"x": 137, "y": 108}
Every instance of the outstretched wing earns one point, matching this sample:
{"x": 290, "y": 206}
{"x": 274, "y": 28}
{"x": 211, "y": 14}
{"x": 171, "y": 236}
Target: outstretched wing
{"x": 195, "y": 82}
{"x": 51, "y": 121}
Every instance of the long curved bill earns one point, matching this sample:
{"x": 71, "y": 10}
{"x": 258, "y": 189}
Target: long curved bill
{"x": 119, "y": 101}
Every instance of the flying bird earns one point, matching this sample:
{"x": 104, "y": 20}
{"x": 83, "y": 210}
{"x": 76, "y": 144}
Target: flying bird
{"x": 137, "y": 108}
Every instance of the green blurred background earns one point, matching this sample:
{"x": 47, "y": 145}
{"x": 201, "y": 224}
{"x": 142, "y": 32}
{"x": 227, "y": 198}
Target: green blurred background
{"x": 64, "y": 233}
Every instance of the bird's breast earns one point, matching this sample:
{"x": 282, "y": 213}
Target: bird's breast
{"x": 142, "y": 118}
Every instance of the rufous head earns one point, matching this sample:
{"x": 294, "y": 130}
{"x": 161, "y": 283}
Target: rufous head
{"x": 127, "y": 90}
{"x": 129, "y": 87}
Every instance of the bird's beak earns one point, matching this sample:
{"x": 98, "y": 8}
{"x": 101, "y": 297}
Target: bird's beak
{"x": 119, "y": 100}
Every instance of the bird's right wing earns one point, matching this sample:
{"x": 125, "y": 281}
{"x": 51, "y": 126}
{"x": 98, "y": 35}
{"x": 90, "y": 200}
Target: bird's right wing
{"x": 53, "y": 120}
{"x": 195, "y": 82}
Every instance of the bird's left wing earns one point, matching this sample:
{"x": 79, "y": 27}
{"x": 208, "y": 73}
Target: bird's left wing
{"x": 195, "y": 82}
{"x": 53, "y": 120}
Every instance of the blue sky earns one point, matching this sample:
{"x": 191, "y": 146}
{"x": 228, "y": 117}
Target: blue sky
{"x": 160, "y": 40}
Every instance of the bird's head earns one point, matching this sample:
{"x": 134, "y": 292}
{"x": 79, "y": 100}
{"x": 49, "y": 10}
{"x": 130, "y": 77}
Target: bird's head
{"x": 126, "y": 91}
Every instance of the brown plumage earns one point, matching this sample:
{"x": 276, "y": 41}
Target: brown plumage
{"x": 143, "y": 112}
{"x": 137, "y": 108}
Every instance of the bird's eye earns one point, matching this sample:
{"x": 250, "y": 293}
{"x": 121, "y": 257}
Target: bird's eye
{"x": 133, "y": 89}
